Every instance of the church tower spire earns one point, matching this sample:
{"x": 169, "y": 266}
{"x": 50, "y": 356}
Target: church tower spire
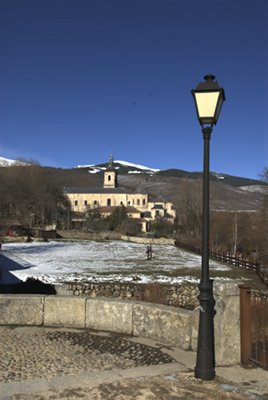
{"x": 110, "y": 175}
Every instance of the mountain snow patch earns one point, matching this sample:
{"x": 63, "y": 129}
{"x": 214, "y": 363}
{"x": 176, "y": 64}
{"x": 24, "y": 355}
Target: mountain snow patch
{"x": 6, "y": 162}
{"x": 138, "y": 169}
{"x": 138, "y": 166}
{"x": 254, "y": 188}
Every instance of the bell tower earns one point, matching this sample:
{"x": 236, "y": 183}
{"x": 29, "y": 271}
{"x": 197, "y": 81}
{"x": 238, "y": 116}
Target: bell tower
{"x": 110, "y": 175}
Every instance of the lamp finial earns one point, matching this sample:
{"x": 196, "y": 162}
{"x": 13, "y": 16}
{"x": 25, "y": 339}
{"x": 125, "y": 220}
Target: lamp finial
{"x": 209, "y": 77}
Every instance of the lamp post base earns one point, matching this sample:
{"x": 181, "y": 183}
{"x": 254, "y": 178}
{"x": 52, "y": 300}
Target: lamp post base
{"x": 205, "y": 375}
{"x": 205, "y": 361}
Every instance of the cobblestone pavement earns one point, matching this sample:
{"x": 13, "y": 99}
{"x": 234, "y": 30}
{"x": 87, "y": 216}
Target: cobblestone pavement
{"x": 54, "y": 364}
{"x": 45, "y": 353}
{"x": 154, "y": 388}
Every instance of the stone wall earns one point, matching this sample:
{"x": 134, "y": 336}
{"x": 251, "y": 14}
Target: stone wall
{"x": 78, "y": 234}
{"x": 145, "y": 240}
{"x": 166, "y": 324}
{"x": 227, "y": 321}
{"x": 182, "y": 295}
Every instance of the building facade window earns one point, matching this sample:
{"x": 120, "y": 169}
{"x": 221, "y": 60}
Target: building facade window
{"x": 109, "y": 177}
{"x": 85, "y": 203}
{"x": 76, "y": 202}
{"x": 95, "y": 203}
{"x": 109, "y": 202}
{"x": 143, "y": 202}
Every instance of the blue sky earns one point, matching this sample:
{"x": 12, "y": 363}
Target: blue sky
{"x": 80, "y": 79}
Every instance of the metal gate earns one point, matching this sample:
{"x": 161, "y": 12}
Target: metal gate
{"x": 254, "y": 326}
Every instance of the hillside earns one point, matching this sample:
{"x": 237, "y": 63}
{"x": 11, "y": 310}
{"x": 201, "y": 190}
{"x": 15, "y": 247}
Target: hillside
{"x": 125, "y": 167}
{"x": 227, "y": 192}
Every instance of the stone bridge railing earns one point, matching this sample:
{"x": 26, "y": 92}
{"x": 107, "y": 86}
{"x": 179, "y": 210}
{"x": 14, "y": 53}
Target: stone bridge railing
{"x": 166, "y": 324}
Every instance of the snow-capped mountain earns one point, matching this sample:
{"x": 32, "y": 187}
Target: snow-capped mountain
{"x": 7, "y": 162}
{"x": 128, "y": 168}
{"x": 229, "y": 192}
{"x": 122, "y": 167}
{"x": 137, "y": 166}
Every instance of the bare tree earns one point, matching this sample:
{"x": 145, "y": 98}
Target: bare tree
{"x": 31, "y": 196}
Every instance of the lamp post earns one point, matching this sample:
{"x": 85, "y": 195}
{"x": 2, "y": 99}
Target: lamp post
{"x": 209, "y": 98}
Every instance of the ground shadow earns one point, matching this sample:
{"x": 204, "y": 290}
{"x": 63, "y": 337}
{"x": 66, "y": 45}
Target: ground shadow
{"x": 9, "y": 283}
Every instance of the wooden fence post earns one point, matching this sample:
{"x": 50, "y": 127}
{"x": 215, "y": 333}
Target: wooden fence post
{"x": 245, "y": 324}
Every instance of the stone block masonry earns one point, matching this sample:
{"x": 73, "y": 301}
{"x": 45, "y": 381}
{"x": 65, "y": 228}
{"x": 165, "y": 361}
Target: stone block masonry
{"x": 109, "y": 315}
{"x": 64, "y": 311}
{"x": 166, "y": 324}
{"x": 21, "y": 310}
{"x": 182, "y": 295}
{"x": 145, "y": 240}
{"x": 227, "y": 322}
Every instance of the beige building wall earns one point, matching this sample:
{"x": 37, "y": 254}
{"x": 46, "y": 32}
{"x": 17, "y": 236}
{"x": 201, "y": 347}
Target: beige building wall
{"x": 109, "y": 179}
{"x": 167, "y": 207}
{"x": 80, "y": 202}
{"x": 138, "y": 200}
{"x": 170, "y": 209}
{"x": 134, "y": 215}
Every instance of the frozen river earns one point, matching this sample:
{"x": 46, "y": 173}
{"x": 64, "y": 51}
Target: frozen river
{"x": 63, "y": 261}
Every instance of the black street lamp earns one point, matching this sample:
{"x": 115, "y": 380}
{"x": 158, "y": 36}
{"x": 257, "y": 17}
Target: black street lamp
{"x": 209, "y": 98}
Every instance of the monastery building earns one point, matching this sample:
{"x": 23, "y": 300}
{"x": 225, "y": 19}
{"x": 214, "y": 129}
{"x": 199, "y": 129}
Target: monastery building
{"x": 104, "y": 200}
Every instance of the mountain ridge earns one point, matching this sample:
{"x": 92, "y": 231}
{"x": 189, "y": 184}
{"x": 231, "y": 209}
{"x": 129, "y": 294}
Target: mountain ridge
{"x": 125, "y": 167}
{"x": 129, "y": 168}
{"x": 227, "y": 192}
{"x": 7, "y": 162}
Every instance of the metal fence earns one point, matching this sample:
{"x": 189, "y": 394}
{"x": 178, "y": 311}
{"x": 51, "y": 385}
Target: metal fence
{"x": 254, "y": 326}
{"x": 232, "y": 259}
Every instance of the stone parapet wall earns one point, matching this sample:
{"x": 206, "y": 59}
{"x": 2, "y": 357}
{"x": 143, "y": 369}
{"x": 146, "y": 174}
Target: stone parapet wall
{"x": 145, "y": 240}
{"x": 21, "y": 309}
{"x": 166, "y": 324}
{"x": 227, "y": 321}
{"x": 110, "y": 315}
{"x": 78, "y": 234}
{"x": 182, "y": 295}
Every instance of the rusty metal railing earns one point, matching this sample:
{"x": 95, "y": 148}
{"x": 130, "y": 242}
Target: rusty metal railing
{"x": 254, "y": 326}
